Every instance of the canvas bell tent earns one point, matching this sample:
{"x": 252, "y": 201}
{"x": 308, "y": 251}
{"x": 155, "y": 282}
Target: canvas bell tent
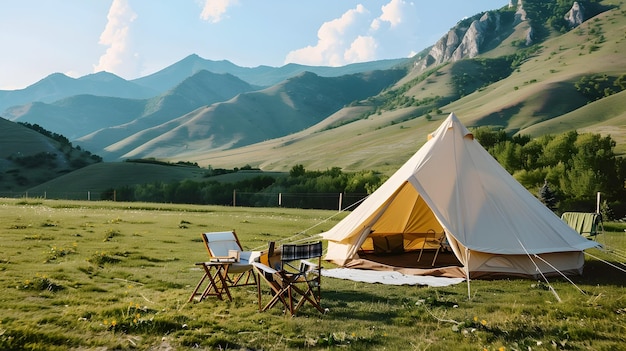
{"x": 454, "y": 188}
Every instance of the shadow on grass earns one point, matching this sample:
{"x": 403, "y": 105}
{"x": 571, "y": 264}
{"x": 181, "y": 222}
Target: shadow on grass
{"x": 339, "y": 303}
{"x": 600, "y": 273}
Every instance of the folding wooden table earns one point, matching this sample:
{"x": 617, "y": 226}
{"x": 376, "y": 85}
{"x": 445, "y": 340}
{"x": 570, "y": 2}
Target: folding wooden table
{"x": 215, "y": 275}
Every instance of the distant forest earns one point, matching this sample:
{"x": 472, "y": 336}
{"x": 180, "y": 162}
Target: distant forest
{"x": 569, "y": 168}
{"x": 302, "y": 189}
{"x": 564, "y": 171}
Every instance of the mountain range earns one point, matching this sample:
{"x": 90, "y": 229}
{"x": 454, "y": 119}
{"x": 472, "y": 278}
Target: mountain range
{"x": 533, "y": 67}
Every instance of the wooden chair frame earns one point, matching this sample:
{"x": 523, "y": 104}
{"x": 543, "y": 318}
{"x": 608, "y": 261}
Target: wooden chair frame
{"x": 292, "y": 284}
{"x": 231, "y": 264}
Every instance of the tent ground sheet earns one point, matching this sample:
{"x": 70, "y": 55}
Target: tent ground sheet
{"x": 388, "y": 277}
{"x": 402, "y": 269}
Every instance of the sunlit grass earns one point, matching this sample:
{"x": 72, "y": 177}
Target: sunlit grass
{"x": 104, "y": 275}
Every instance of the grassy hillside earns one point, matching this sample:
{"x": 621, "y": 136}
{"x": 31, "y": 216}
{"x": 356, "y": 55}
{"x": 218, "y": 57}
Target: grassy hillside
{"x": 540, "y": 90}
{"x": 251, "y": 117}
{"x": 102, "y": 176}
{"x": 96, "y": 179}
{"x": 78, "y": 115}
{"x": 28, "y": 157}
{"x": 606, "y": 117}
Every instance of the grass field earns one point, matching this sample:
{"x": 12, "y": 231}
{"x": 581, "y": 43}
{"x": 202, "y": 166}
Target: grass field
{"x": 116, "y": 276}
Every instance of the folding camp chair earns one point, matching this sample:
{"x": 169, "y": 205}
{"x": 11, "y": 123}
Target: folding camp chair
{"x": 434, "y": 239}
{"x": 586, "y": 224}
{"x": 291, "y": 283}
{"x": 228, "y": 266}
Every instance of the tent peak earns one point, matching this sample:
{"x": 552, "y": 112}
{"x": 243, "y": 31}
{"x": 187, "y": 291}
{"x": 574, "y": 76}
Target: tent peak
{"x": 452, "y": 122}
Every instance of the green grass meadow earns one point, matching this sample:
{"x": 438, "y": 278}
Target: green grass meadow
{"x": 117, "y": 276}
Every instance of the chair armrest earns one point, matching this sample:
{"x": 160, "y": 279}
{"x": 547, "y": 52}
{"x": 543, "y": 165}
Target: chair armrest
{"x": 264, "y": 268}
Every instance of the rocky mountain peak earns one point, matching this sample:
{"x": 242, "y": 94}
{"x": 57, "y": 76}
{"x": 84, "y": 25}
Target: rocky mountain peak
{"x": 520, "y": 12}
{"x": 462, "y": 41}
{"x": 575, "y": 16}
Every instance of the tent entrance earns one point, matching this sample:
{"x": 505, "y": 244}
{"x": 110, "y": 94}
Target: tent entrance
{"x": 409, "y": 259}
{"x": 446, "y": 265}
{"x": 402, "y": 229}
{"x": 404, "y": 223}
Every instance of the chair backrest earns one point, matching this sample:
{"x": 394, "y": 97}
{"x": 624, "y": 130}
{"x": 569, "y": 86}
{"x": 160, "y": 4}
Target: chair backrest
{"x": 219, "y": 243}
{"x": 582, "y": 222}
{"x": 293, "y": 252}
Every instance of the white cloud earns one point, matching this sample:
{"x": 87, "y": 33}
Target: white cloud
{"x": 397, "y": 29}
{"x": 334, "y": 40}
{"x": 375, "y": 24}
{"x": 118, "y": 58}
{"x": 359, "y": 35}
{"x": 362, "y": 49}
{"x": 213, "y": 10}
{"x": 393, "y": 12}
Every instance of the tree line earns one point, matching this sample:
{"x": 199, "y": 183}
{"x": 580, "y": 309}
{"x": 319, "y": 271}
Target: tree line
{"x": 572, "y": 167}
{"x": 565, "y": 171}
{"x": 298, "y": 186}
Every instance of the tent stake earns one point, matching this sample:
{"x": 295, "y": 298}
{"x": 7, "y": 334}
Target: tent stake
{"x": 467, "y": 274}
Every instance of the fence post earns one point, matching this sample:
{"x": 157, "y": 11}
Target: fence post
{"x": 88, "y": 195}
{"x": 280, "y": 199}
{"x": 234, "y": 198}
{"x": 340, "y": 201}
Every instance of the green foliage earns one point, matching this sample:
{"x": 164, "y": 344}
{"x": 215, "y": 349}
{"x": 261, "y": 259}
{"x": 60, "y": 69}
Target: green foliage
{"x": 55, "y": 253}
{"x": 396, "y": 98}
{"x": 42, "y": 159}
{"x": 576, "y": 165}
{"x": 102, "y": 258}
{"x": 596, "y": 87}
{"x": 31, "y": 166}
{"x": 546, "y": 15}
{"x": 40, "y": 283}
{"x": 110, "y": 234}
{"x": 154, "y": 161}
{"x": 65, "y": 145}
{"x": 260, "y": 190}
{"x": 39, "y": 129}
{"x": 297, "y": 171}
{"x": 470, "y": 75}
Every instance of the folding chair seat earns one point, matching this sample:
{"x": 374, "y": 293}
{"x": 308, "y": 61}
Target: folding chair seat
{"x": 231, "y": 264}
{"x": 293, "y": 280}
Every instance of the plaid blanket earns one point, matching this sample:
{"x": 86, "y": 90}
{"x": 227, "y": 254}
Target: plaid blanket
{"x": 300, "y": 252}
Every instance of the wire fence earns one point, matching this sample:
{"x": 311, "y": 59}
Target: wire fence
{"x": 75, "y": 195}
{"x": 339, "y": 201}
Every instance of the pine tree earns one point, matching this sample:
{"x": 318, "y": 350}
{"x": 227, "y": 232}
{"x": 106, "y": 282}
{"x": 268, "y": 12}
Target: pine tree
{"x": 547, "y": 196}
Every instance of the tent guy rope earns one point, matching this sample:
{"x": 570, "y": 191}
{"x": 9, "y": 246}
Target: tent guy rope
{"x": 292, "y": 239}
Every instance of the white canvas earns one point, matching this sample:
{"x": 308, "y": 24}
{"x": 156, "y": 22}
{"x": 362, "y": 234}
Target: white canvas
{"x": 486, "y": 214}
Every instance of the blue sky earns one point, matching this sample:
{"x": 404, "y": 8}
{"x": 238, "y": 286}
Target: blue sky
{"x": 133, "y": 38}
